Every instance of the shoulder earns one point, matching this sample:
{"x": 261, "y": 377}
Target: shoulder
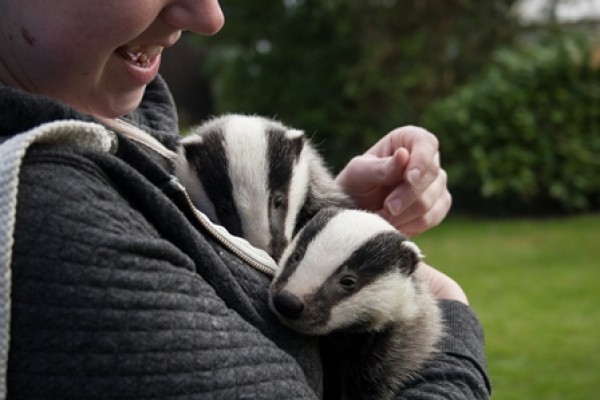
{"x": 63, "y": 193}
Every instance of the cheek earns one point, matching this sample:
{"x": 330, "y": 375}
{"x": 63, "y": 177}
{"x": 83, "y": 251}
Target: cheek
{"x": 65, "y": 55}
{"x": 86, "y": 36}
{"x": 75, "y": 71}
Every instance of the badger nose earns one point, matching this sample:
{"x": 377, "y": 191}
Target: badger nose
{"x": 288, "y": 304}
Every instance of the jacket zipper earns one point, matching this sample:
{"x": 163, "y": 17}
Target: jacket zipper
{"x": 141, "y": 137}
{"x": 224, "y": 240}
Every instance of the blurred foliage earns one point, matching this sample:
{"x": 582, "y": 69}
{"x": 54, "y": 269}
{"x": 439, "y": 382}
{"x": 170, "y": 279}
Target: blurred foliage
{"x": 519, "y": 128}
{"x": 348, "y": 71}
{"x": 525, "y": 136}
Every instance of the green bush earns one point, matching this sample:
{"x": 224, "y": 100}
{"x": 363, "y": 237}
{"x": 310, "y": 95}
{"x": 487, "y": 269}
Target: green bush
{"x": 348, "y": 71}
{"x": 525, "y": 136}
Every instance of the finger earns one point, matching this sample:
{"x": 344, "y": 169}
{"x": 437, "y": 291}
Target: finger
{"x": 441, "y": 285}
{"x": 424, "y": 157}
{"x": 423, "y": 222}
{"x": 370, "y": 170}
{"x": 407, "y": 194}
{"x": 407, "y": 137}
{"x": 417, "y": 209}
{"x": 389, "y": 171}
{"x": 423, "y": 168}
{"x": 429, "y": 210}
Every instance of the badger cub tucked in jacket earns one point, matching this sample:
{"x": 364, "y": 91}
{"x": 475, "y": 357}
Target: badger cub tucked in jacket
{"x": 258, "y": 178}
{"x": 340, "y": 270}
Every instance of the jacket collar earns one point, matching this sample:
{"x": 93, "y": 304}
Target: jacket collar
{"x": 22, "y": 111}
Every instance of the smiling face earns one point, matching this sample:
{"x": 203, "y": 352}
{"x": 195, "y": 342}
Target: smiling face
{"x": 97, "y": 56}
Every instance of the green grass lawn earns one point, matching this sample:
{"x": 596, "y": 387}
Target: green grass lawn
{"x": 535, "y": 285}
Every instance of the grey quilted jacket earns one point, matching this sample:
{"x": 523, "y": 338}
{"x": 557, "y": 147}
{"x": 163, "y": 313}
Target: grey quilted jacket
{"x": 115, "y": 288}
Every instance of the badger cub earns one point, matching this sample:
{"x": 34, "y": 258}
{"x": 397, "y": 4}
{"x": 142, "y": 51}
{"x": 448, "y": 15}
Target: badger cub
{"x": 257, "y": 177}
{"x": 351, "y": 272}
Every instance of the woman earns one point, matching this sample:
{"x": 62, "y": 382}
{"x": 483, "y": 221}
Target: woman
{"x": 117, "y": 290}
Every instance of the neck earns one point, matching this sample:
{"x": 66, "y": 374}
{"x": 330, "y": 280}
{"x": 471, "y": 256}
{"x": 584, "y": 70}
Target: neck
{"x": 138, "y": 136}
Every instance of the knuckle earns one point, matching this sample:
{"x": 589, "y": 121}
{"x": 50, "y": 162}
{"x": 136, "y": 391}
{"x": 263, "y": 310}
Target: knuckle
{"x": 423, "y": 205}
{"x": 449, "y": 202}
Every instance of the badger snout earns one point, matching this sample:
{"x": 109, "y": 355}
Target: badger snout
{"x": 288, "y": 304}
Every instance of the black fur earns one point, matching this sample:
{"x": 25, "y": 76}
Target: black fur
{"x": 210, "y": 155}
{"x": 208, "y": 159}
{"x": 283, "y": 154}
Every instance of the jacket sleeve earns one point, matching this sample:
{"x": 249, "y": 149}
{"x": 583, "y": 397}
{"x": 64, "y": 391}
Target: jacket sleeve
{"x": 458, "y": 371}
{"x": 104, "y": 305}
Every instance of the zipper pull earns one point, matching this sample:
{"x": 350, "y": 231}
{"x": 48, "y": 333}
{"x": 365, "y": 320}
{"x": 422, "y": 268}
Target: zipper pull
{"x": 173, "y": 184}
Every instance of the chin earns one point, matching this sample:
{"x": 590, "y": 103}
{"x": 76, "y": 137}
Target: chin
{"x": 114, "y": 108}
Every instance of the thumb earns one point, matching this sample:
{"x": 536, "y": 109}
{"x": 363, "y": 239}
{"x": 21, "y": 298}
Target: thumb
{"x": 368, "y": 172}
{"x": 389, "y": 171}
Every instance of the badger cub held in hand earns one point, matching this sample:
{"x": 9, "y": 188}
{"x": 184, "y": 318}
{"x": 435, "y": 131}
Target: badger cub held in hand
{"x": 257, "y": 177}
{"x": 350, "y": 271}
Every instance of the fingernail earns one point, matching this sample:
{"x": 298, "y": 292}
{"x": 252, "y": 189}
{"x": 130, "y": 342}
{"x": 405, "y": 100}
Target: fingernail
{"x": 394, "y": 207}
{"x": 413, "y": 176}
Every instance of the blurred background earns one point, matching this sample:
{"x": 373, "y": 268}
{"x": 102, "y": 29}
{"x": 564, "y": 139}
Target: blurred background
{"x": 512, "y": 90}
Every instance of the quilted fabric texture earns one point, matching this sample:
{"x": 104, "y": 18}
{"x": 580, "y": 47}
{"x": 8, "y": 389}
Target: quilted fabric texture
{"x": 105, "y": 306}
{"x": 12, "y": 151}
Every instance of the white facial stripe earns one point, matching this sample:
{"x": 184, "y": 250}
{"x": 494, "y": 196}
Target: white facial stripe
{"x": 344, "y": 233}
{"x": 392, "y": 297}
{"x": 246, "y": 144}
{"x": 298, "y": 189}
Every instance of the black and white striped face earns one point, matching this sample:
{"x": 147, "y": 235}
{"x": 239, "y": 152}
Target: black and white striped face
{"x": 346, "y": 269}
{"x": 249, "y": 174}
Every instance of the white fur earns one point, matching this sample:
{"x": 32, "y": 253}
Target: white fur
{"x": 397, "y": 309}
{"x": 343, "y": 234}
{"x": 390, "y": 298}
{"x": 298, "y": 185}
{"x": 246, "y": 146}
{"x": 413, "y": 246}
{"x": 294, "y": 133}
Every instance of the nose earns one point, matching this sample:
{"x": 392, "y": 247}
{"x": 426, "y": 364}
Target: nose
{"x": 201, "y": 16}
{"x": 288, "y": 304}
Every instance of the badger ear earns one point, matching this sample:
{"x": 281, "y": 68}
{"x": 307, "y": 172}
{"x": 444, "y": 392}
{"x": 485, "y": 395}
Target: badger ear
{"x": 202, "y": 135}
{"x": 410, "y": 256}
{"x": 297, "y": 138}
{"x": 193, "y": 139}
{"x": 294, "y": 134}
{"x": 190, "y": 144}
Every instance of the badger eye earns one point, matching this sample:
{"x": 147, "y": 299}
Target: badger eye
{"x": 348, "y": 282}
{"x": 295, "y": 257}
{"x": 278, "y": 201}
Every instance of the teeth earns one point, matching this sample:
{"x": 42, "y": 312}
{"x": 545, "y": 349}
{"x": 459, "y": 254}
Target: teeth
{"x": 140, "y": 55}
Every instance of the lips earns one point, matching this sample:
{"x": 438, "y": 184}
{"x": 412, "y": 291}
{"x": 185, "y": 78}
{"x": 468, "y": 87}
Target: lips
{"x": 140, "y": 56}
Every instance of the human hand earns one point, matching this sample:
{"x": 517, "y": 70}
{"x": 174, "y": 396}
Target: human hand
{"x": 441, "y": 285}
{"x": 400, "y": 178}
